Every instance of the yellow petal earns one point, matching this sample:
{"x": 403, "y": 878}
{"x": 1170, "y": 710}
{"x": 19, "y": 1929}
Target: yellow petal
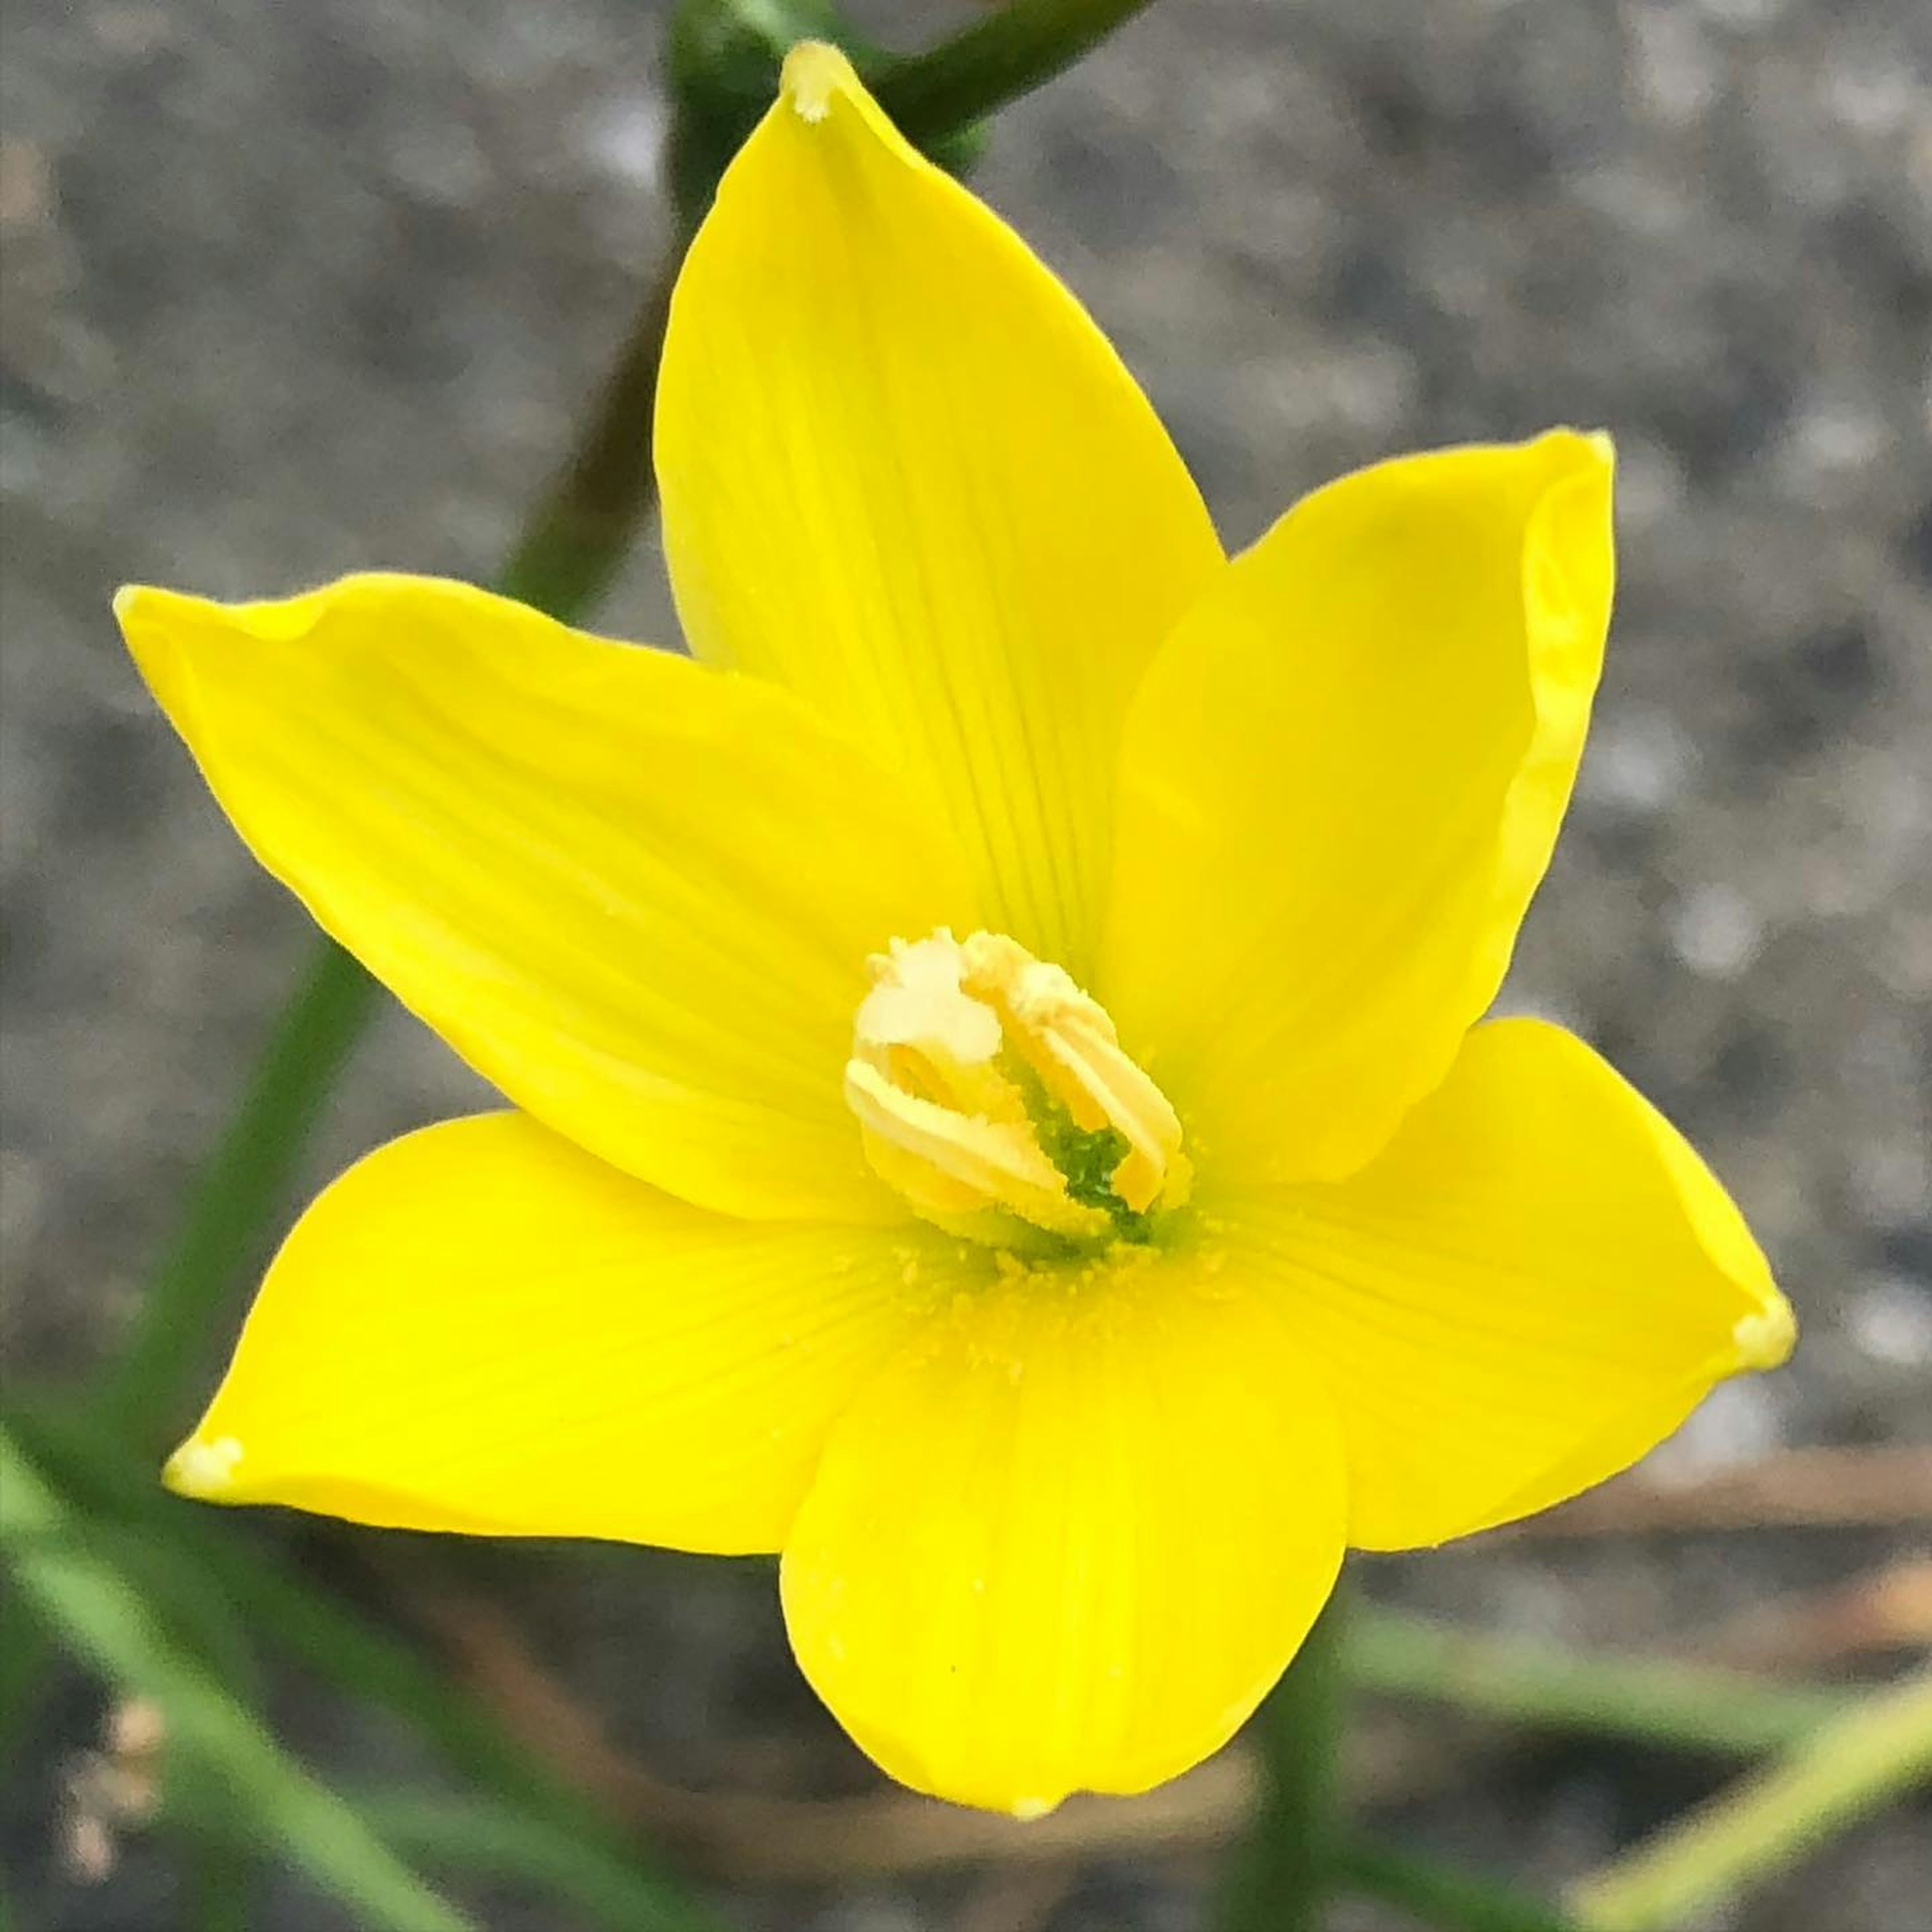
{"x": 1069, "y": 1536}
{"x": 636, "y": 894}
{"x": 903, "y": 473}
{"x": 1343, "y": 779}
{"x": 1533, "y": 1285}
{"x": 480, "y": 1328}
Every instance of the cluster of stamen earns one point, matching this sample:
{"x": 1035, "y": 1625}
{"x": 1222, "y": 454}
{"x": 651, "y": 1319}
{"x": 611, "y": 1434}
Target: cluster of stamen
{"x": 993, "y": 1094}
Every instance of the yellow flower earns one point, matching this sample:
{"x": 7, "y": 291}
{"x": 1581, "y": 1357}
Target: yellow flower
{"x": 1001, "y": 1115}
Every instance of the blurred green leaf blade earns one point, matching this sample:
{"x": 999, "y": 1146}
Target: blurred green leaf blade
{"x": 74, "y": 1588}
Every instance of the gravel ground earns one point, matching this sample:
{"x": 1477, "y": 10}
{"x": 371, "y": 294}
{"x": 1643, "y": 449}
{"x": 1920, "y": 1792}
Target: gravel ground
{"x": 290, "y": 290}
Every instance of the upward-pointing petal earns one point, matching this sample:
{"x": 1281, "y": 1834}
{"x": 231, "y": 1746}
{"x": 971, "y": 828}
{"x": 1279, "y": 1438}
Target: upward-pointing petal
{"x": 637, "y": 894}
{"x": 903, "y": 473}
{"x": 1342, "y": 780}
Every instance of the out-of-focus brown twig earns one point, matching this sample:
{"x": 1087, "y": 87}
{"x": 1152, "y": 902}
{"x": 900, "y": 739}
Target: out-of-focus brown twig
{"x": 1888, "y": 1608}
{"x": 751, "y": 1836}
{"x": 755, "y": 1837}
{"x": 1833, "y": 1488}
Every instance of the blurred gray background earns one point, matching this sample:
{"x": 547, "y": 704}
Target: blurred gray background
{"x": 293, "y": 289}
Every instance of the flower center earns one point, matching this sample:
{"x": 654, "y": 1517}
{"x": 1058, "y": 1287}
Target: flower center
{"x": 993, "y": 1093}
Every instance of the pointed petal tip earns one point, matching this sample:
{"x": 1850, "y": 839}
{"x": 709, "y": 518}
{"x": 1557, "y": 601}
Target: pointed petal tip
{"x": 146, "y": 603}
{"x": 203, "y": 1468}
{"x": 1765, "y": 1337}
{"x": 1575, "y": 452}
{"x": 159, "y": 628}
{"x": 143, "y": 611}
{"x": 1598, "y": 442}
{"x": 151, "y": 616}
{"x": 128, "y": 600}
{"x": 813, "y": 72}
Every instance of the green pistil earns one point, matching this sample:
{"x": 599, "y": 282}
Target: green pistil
{"x": 1088, "y": 1159}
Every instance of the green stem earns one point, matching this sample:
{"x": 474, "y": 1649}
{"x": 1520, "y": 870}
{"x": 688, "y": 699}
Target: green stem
{"x": 74, "y": 1590}
{"x": 1520, "y": 1681}
{"x": 1009, "y": 52}
{"x": 238, "y": 1187}
{"x": 1278, "y": 1879}
{"x": 1879, "y": 1750}
{"x": 578, "y": 534}
{"x": 1454, "y": 1899}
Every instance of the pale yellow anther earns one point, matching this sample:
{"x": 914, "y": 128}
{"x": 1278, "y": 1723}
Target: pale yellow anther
{"x": 1069, "y": 1041}
{"x": 972, "y": 1062}
{"x": 961, "y": 1170}
{"x": 918, "y": 1000}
